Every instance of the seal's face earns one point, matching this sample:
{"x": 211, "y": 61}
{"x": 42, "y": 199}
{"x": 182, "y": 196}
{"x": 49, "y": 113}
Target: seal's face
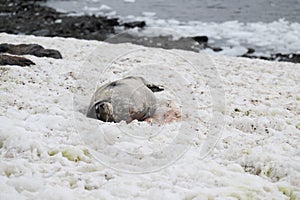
{"x": 104, "y": 111}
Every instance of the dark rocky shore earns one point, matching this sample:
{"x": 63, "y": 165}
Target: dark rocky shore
{"x": 33, "y": 18}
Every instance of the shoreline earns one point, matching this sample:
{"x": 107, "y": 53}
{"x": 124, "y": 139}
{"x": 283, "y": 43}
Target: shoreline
{"x": 32, "y": 18}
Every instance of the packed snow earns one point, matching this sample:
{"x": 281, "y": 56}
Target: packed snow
{"x": 50, "y": 150}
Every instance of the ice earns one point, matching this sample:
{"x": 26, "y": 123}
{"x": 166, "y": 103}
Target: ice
{"x": 148, "y": 14}
{"x": 129, "y": 1}
{"x": 275, "y": 37}
{"x": 104, "y": 7}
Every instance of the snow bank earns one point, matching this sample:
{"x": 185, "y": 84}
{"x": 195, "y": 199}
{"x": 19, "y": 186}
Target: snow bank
{"x": 43, "y": 128}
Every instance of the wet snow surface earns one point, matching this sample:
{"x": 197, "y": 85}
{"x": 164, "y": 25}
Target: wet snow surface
{"x": 47, "y": 144}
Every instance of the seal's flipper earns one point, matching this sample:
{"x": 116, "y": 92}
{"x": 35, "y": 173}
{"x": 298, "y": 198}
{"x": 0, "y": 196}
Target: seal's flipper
{"x": 155, "y": 88}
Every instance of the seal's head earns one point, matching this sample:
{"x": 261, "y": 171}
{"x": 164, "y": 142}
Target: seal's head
{"x": 102, "y": 111}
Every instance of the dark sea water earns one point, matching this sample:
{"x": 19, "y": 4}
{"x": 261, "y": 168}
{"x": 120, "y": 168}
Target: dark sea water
{"x": 193, "y": 10}
{"x": 268, "y": 26}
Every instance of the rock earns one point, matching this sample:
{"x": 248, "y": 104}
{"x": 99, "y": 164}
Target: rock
{"x": 200, "y": 39}
{"x": 250, "y": 51}
{"x": 139, "y": 24}
{"x": 42, "y": 32}
{"x": 215, "y": 49}
{"x": 29, "y": 49}
{"x": 32, "y": 18}
{"x": 294, "y": 58}
{"x": 165, "y": 42}
{"x": 15, "y": 60}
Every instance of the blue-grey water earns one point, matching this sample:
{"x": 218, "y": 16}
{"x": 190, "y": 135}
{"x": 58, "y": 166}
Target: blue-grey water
{"x": 193, "y": 10}
{"x": 268, "y": 26}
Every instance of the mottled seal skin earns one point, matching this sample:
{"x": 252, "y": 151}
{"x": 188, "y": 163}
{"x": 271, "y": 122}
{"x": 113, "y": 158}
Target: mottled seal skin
{"x": 125, "y": 99}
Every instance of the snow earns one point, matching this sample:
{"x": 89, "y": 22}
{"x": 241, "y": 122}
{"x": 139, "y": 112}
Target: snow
{"x": 50, "y": 150}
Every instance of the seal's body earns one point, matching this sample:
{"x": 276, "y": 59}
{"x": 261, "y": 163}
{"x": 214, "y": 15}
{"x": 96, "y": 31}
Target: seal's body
{"x": 125, "y": 99}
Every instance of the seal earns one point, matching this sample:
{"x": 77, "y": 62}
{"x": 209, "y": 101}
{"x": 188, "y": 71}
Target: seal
{"x": 126, "y": 99}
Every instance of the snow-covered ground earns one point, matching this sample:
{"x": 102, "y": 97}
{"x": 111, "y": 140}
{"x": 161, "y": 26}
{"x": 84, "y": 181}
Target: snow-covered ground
{"x": 50, "y": 150}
